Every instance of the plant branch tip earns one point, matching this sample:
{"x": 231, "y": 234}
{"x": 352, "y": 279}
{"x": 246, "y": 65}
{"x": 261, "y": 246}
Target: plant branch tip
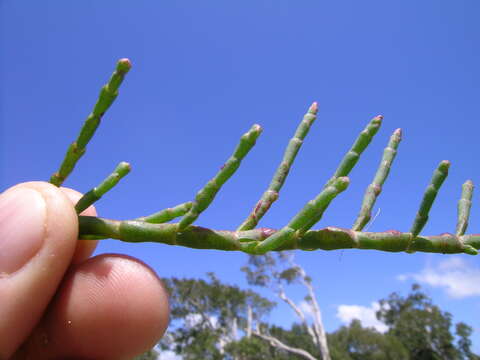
{"x": 124, "y": 65}
{"x": 124, "y": 167}
{"x": 257, "y": 128}
{"x": 313, "y": 108}
{"x": 255, "y": 131}
{"x": 444, "y": 165}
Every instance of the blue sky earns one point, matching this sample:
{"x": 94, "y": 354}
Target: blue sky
{"x": 205, "y": 71}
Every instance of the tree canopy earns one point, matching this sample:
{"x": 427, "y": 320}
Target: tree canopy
{"x": 211, "y": 320}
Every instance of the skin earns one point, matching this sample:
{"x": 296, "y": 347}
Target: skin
{"x": 63, "y": 303}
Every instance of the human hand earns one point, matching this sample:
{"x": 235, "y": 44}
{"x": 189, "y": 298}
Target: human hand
{"x": 58, "y": 303}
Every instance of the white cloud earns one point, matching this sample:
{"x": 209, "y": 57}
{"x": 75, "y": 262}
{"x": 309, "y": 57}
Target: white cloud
{"x": 457, "y": 277}
{"x": 366, "y": 315}
{"x": 192, "y": 320}
{"x": 306, "y": 308}
{"x": 169, "y": 355}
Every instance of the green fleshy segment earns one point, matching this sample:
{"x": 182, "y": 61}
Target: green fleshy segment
{"x": 375, "y": 188}
{"x": 439, "y": 176}
{"x": 97, "y": 192}
{"x": 314, "y": 209}
{"x": 105, "y": 99}
{"x": 463, "y": 208}
{"x": 206, "y": 195}
{"x": 360, "y": 144}
{"x": 168, "y": 214}
{"x": 271, "y": 194}
{"x": 307, "y": 217}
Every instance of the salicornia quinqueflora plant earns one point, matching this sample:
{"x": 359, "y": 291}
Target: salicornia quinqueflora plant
{"x": 297, "y": 234}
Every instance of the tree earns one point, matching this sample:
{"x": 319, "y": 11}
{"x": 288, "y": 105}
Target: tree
{"x": 276, "y": 272}
{"x": 463, "y": 331}
{"x": 422, "y": 327}
{"x": 148, "y": 355}
{"x": 208, "y": 315}
{"x": 251, "y": 348}
{"x": 355, "y": 342}
{"x": 212, "y": 320}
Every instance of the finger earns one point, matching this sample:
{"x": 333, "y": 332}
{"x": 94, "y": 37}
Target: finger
{"x": 84, "y": 248}
{"x": 38, "y": 233}
{"x": 108, "y": 307}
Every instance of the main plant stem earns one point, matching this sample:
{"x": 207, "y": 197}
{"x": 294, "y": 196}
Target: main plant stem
{"x": 329, "y": 238}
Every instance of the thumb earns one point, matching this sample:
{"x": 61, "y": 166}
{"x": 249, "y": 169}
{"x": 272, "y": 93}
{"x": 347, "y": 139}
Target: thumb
{"x": 38, "y": 234}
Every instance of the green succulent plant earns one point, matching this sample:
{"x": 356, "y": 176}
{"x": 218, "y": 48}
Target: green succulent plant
{"x": 297, "y": 234}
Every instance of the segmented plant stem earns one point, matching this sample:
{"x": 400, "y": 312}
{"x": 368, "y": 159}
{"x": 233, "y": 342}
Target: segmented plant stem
{"x": 464, "y": 205}
{"x": 314, "y": 209}
{"x": 106, "y": 97}
{"x": 375, "y": 188}
{"x": 97, "y": 192}
{"x": 271, "y": 194}
{"x": 330, "y": 238}
{"x": 439, "y": 176}
{"x": 360, "y": 144}
{"x": 307, "y": 217}
{"x": 206, "y": 195}
{"x": 296, "y": 234}
{"x": 166, "y": 215}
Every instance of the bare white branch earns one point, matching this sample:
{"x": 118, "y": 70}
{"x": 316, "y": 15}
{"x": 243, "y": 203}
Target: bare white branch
{"x": 317, "y": 316}
{"x": 249, "y": 321}
{"x": 299, "y": 313}
{"x": 278, "y": 344}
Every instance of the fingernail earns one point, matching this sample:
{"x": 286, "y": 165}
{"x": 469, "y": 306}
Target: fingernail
{"x": 22, "y": 219}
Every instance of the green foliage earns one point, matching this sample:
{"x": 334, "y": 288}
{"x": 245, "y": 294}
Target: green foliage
{"x": 418, "y": 329}
{"x": 272, "y": 269}
{"x": 422, "y": 327}
{"x": 254, "y": 348}
{"x": 251, "y": 348}
{"x": 297, "y": 336}
{"x": 355, "y": 342}
{"x": 214, "y": 298}
{"x": 205, "y": 313}
{"x": 463, "y": 332}
{"x": 148, "y": 355}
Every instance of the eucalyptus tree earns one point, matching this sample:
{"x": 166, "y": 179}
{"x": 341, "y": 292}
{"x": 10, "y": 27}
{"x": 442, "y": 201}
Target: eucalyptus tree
{"x": 423, "y": 328}
{"x": 464, "y": 344}
{"x": 275, "y": 272}
{"x": 208, "y": 315}
{"x": 210, "y": 320}
{"x": 148, "y": 355}
{"x": 354, "y": 342}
